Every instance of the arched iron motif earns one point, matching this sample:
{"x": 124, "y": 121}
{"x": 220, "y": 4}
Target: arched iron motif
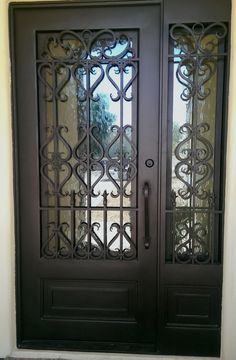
{"x": 88, "y": 161}
{"x": 195, "y": 54}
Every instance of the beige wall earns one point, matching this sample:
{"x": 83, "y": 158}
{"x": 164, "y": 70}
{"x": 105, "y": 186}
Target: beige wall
{"x": 229, "y": 282}
{"x": 7, "y": 316}
{"x": 7, "y": 308}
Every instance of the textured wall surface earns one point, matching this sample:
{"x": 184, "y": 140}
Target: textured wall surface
{"x": 229, "y": 282}
{"x": 7, "y": 312}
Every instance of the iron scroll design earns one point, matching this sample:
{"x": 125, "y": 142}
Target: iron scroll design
{"x": 88, "y": 53}
{"x": 56, "y": 162}
{"x": 193, "y": 216}
{"x": 196, "y": 164}
{"x": 197, "y": 56}
{"x": 93, "y": 45}
{"x": 78, "y": 155}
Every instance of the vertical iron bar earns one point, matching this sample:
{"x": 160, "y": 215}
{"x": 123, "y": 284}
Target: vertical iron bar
{"x": 193, "y": 155}
{"x": 105, "y": 194}
{"x": 73, "y": 225}
{"x": 174, "y": 232}
{"x": 121, "y": 157}
{"x": 88, "y": 157}
{"x": 56, "y": 150}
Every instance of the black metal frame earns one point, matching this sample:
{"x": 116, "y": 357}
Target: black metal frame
{"x": 167, "y": 275}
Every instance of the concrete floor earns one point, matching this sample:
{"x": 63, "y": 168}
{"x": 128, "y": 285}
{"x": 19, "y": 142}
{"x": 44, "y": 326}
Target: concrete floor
{"x": 54, "y": 355}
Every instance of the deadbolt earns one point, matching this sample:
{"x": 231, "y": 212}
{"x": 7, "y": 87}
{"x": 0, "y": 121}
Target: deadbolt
{"x": 149, "y": 163}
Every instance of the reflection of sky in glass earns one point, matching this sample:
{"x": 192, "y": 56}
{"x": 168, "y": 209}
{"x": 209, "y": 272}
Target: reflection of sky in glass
{"x": 179, "y": 106}
{"x": 111, "y": 52}
{"x": 180, "y": 117}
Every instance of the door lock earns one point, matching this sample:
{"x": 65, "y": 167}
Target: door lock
{"x": 149, "y": 163}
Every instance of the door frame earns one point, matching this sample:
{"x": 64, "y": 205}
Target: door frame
{"x": 171, "y": 13}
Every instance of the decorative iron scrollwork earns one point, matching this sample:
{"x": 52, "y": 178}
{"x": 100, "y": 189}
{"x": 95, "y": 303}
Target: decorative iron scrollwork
{"x": 195, "y": 54}
{"x": 57, "y": 245}
{"x": 88, "y": 164}
{"x": 194, "y": 162}
{"x": 56, "y": 162}
{"x": 86, "y": 53}
{"x": 47, "y": 72}
{"x": 198, "y": 54}
{"x": 96, "y": 45}
{"x": 191, "y": 243}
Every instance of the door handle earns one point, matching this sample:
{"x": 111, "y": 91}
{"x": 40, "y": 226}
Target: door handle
{"x": 147, "y": 238}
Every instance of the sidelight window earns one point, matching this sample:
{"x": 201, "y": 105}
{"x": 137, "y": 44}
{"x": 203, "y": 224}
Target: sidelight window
{"x": 197, "y": 58}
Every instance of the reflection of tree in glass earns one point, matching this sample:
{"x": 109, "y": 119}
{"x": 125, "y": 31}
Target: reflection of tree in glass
{"x": 176, "y": 135}
{"x": 102, "y": 120}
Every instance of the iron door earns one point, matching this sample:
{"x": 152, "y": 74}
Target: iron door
{"x": 119, "y": 131}
{"x": 87, "y": 176}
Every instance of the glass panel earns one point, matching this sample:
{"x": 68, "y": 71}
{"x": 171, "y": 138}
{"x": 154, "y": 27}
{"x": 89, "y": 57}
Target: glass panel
{"x": 87, "y": 86}
{"x": 196, "y": 58}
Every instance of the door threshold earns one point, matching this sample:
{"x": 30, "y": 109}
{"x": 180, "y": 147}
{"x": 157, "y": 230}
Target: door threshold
{"x": 64, "y": 355}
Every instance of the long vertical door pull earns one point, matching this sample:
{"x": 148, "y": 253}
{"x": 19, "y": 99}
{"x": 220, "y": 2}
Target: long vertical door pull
{"x": 147, "y": 238}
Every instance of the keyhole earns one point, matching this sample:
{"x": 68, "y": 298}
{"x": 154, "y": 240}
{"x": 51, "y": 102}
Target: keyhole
{"x": 149, "y": 163}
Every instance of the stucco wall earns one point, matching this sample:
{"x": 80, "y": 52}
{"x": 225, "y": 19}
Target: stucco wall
{"x": 7, "y": 316}
{"x": 229, "y": 281}
{"x": 7, "y": 307}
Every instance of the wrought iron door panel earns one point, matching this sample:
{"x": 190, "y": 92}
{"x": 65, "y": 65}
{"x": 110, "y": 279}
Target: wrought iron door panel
{"x": 87, "y": 84}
